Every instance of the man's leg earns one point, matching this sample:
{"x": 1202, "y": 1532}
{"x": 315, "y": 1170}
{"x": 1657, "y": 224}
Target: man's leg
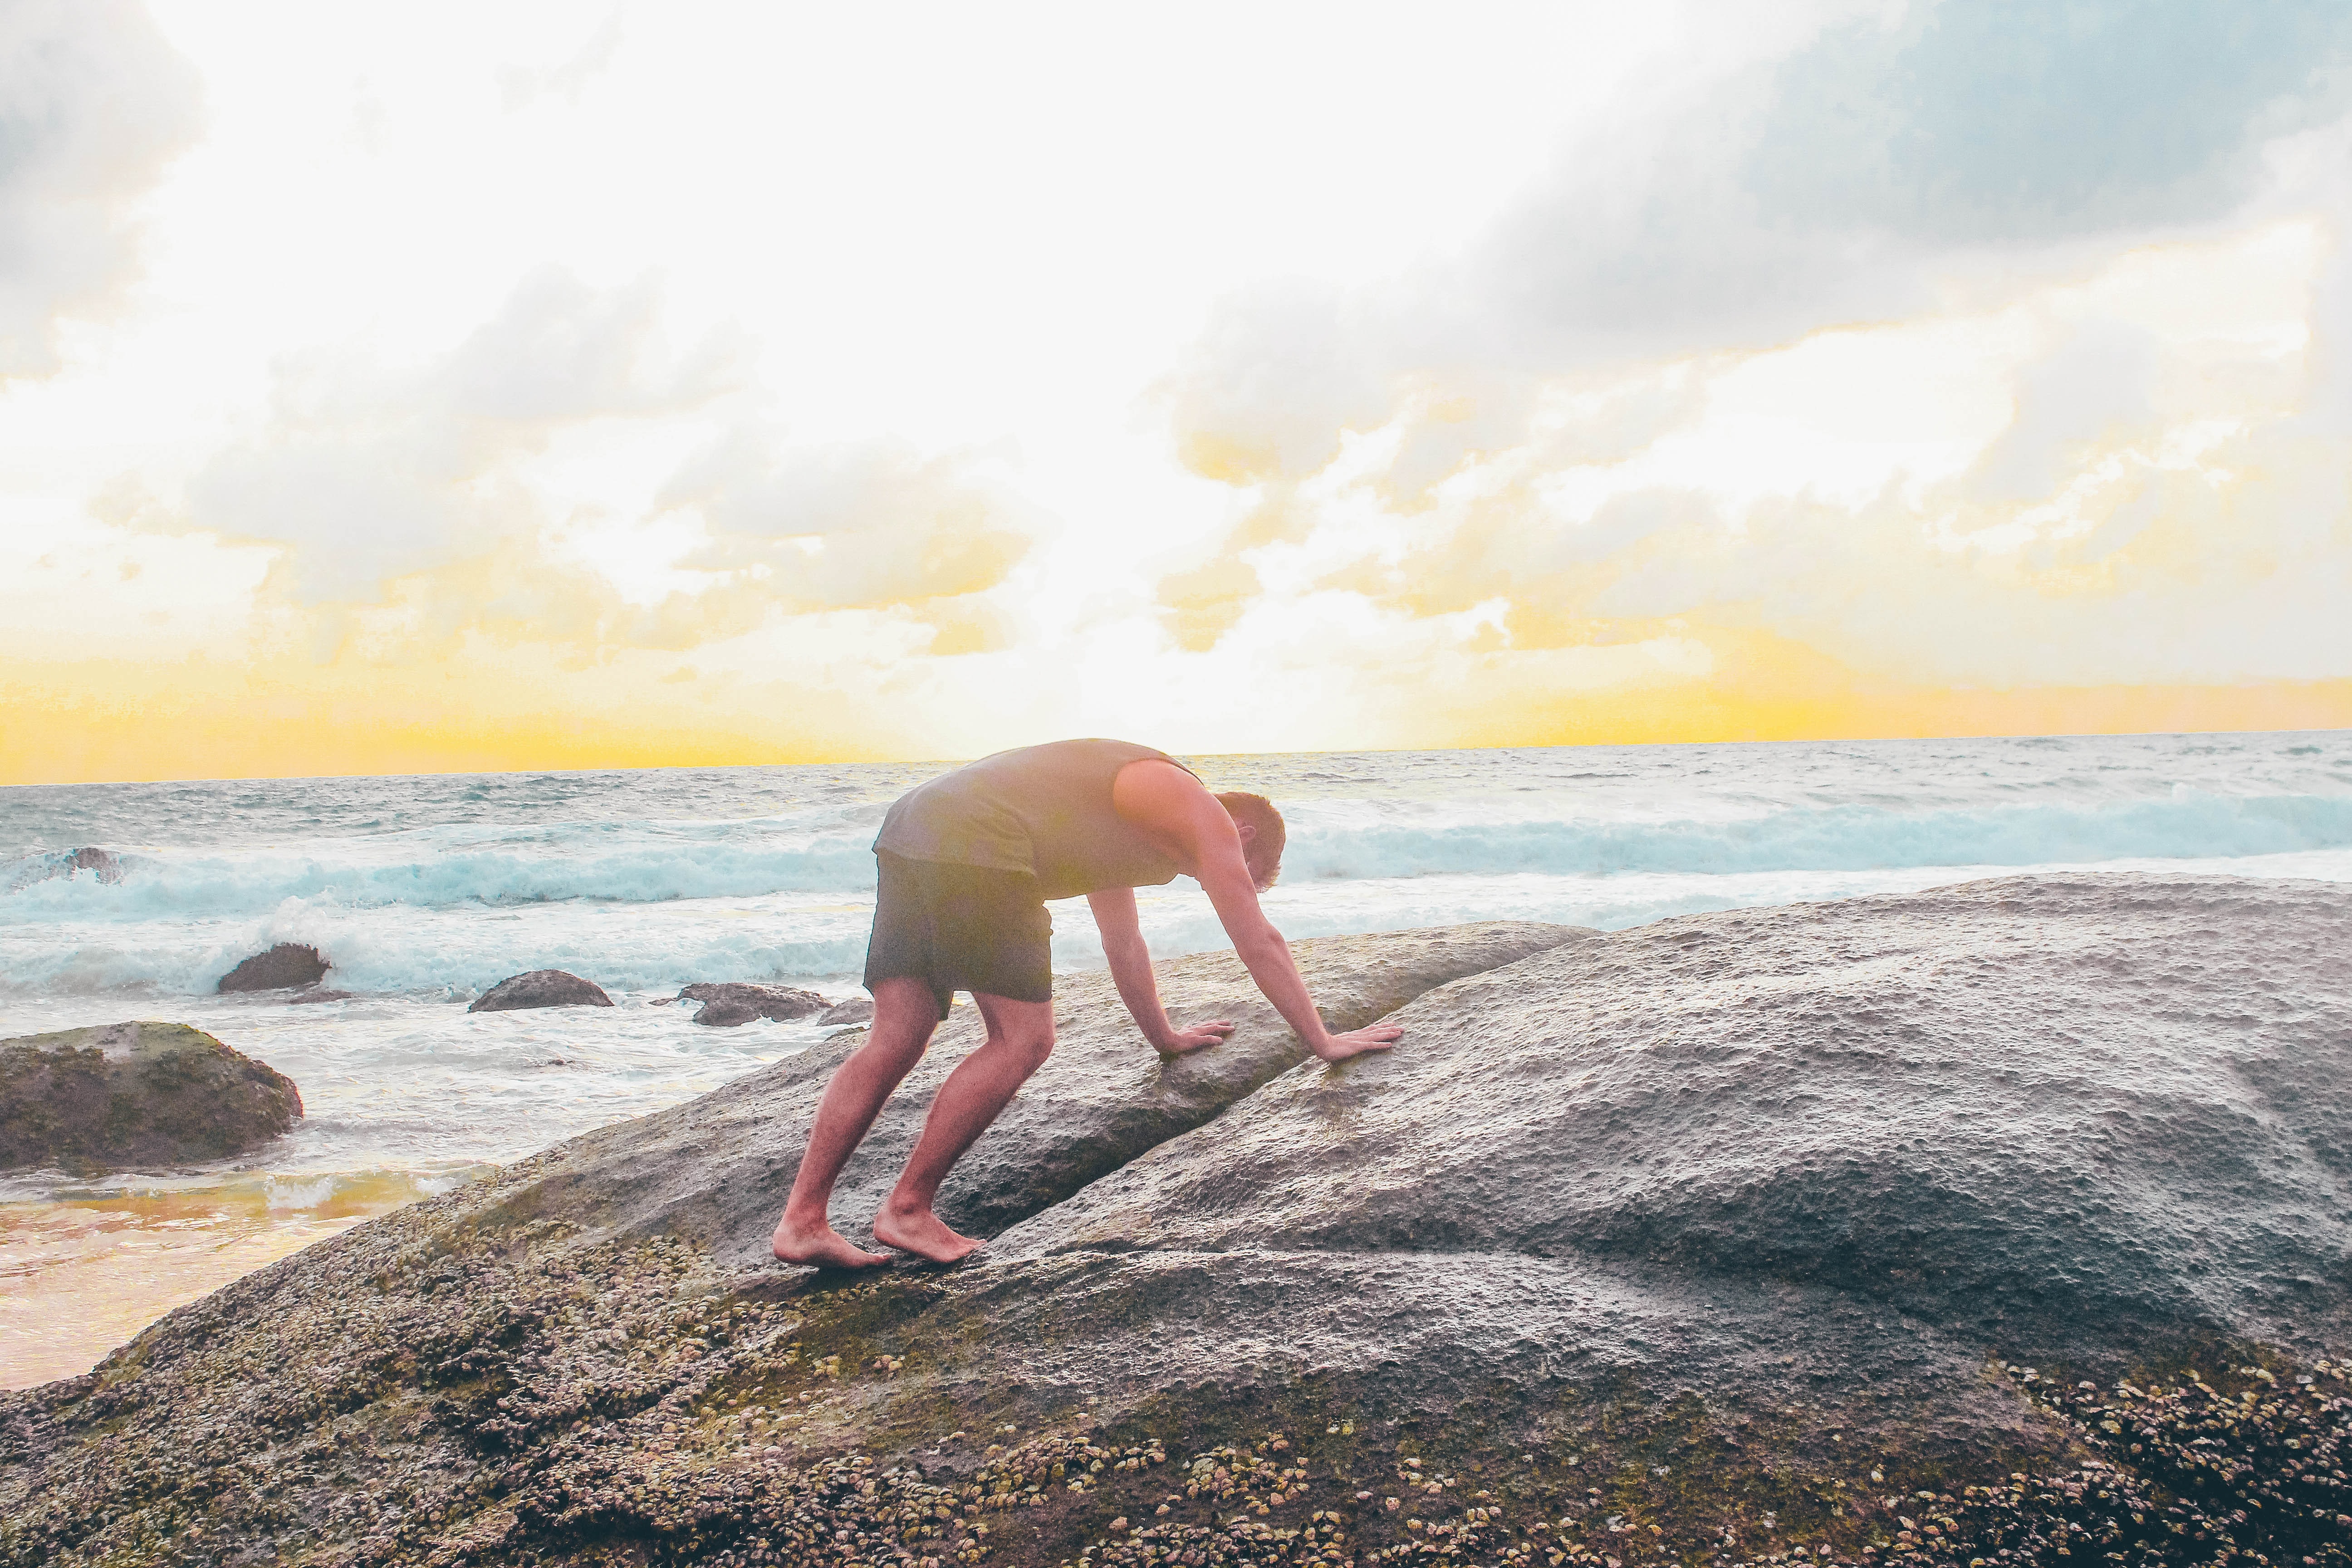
{"x": 905, "y": 1013}
{"x": 1019, "y": 1038}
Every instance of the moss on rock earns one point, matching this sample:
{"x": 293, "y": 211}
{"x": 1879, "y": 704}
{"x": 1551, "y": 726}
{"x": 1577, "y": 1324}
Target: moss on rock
{"x": 136, "y": 1094}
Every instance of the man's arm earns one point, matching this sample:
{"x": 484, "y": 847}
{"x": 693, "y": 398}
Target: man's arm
{"x": 1164, "y": 797}
{"x": 1131, "y": 970}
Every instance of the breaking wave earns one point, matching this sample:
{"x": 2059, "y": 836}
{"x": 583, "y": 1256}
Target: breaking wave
{"x": 432, "y": 888}
{"x": 165, "y": 885}
{"x": 1833, "y": 838}
{"x": 1330, "y": 840}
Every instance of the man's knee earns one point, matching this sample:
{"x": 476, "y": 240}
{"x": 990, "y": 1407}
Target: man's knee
{"x": 1030, "y": 1047}
{"x": 895, "y": 1052}
{"x": 1020, "y": 1030}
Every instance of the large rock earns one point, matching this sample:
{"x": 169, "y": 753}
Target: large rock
{"x": 284, "y": 967}
{"x": 541, "y": 988}
{"x": 718, "y": 1168}
{"x": 137, "y": 1095}
{"x": 2054, "y": 1114}
{"x": 2059, "y": 1120}
{"x": 1706, "y": 1240}
{"x": 726, "y": 1004}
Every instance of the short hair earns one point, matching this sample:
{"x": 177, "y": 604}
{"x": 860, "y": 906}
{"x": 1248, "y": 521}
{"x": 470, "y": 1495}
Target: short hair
{"x": 1264, "y": 850}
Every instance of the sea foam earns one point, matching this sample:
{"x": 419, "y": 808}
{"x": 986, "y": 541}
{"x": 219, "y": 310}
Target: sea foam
{"x": 1329, "y": 841}
{"x": 437, "y": 888}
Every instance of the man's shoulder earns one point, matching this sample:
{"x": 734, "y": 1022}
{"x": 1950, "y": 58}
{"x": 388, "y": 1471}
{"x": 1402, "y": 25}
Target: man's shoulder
{"x": 1155, "y": 795}
{"x": 1084, "y": 752}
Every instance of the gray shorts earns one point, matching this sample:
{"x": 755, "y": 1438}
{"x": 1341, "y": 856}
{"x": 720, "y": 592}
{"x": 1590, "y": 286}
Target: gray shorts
{"x": 961, "y": 928}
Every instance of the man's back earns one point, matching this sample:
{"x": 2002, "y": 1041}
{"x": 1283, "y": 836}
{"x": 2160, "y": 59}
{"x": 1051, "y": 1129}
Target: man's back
{"x": 1045, "y": 811}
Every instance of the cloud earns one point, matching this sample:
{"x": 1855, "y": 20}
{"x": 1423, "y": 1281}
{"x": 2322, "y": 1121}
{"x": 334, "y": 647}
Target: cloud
{"x": 1975, "y": 121}
{"x": 2110, "y": 480}
{"x": 1279, "y": 374}
{"x": 864, "y": 524}
{"x": 520, "y": 86}
{"x": 1932, "y": 346}
{"x": 111, "y": 580}
{"x": 1850, "y": 366}
{"x": 1844, "y": 180}
{"x": 1849, "y": 167}
{"x": 470, "y": 510}
{"x": 371, "y": 471}
{"x": 93, "y": 103}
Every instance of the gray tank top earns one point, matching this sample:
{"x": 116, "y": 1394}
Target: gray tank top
{"x": 1044, "y": 810}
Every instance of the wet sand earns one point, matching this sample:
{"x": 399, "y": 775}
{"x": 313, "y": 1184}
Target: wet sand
{"x": 81, "y": 1276}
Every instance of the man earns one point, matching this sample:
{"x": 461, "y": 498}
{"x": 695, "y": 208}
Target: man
{"x": 967, "y": 864}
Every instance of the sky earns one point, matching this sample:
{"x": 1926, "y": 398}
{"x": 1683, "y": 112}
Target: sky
{"x": 446, "y": 388}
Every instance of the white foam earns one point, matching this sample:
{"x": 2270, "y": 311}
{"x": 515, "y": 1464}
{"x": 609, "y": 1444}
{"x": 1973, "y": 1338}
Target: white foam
{"x": 1362, "y": 839}
{"x": 423, "y": 892}
{"x": 1335, "y": 837}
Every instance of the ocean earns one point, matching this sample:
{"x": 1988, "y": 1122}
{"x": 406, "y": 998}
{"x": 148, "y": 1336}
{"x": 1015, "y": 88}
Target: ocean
{"x": 424, "y": 891}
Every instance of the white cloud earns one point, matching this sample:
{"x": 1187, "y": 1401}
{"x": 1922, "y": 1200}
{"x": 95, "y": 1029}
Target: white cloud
{"x": 1830, "y": 164}
{"x": 72, "y": 584}
{"x": 871, "y": 523}
{"x": 2113, "y": 480}
{"x": 521, "y": 85}
{"x": 1509, "y": 353}
{"x": 93, "y": 103}
{"x": 1955, "y": 343}
{"x": 371, "y": 471}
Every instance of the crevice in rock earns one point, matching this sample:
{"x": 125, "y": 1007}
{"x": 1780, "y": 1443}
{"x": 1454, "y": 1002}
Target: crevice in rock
{"x": 717, "y": 1169}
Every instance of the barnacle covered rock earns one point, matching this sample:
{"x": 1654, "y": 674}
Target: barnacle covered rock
{"x": 1999, "y": 1224}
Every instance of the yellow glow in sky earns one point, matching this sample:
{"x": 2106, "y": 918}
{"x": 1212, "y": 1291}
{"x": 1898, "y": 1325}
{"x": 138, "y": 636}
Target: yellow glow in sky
{"x": 550, "y": 387}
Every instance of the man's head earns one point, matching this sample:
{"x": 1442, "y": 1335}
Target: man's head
{"x": 1262, "y": 833}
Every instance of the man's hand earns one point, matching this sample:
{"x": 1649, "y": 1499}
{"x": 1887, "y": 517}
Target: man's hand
{"x": 1171, "y": 803}
{"x": 1355, "y": 1042}
{"x": 1176, "y": 1042}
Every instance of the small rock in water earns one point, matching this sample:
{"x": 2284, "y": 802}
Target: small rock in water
{"x": 541, "y": 988}
{"x": 138, "y": 1094}
{"x": 103, "y": 862}
{"x": 282, "y": 968}
{"x": 729, "y": 1003}
{"x": 849, "y": 1010}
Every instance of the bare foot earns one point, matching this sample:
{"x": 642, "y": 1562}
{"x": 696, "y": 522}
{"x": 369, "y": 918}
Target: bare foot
{"x": 922, "y": 1233}
{"x": 1355, "y": 1042}
{"x": 823, "y": 1247}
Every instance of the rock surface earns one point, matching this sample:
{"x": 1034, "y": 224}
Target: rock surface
{"x": 135, "y": 1095}
{"x": 849, "y": 1010}
{"x": 2092, "y": 1113}
{"x": 1701, "y": 1241}
{"x": 717, "y": 1169}
{"x": 731, "y": 1003}
{"x": 105, "y": 865}
{"x": 541, "y": 988}
{"x": 282, "y": 968}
